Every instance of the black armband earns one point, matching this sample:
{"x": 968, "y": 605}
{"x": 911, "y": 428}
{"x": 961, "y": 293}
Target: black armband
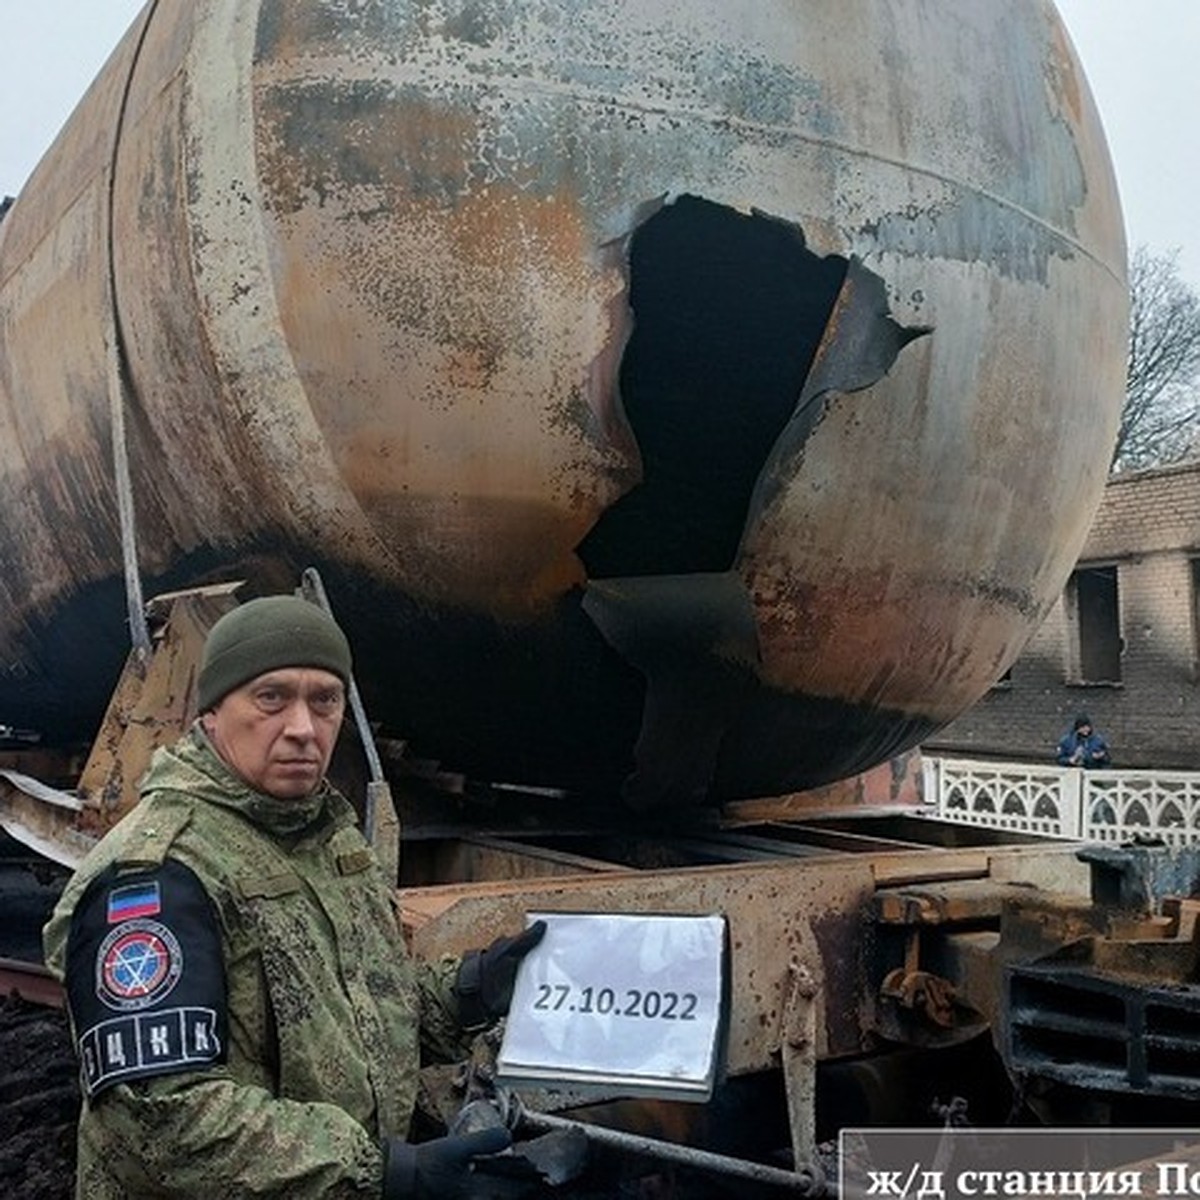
{"x": 145, "y": 977}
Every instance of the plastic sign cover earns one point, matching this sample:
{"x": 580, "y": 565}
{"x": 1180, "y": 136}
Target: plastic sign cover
{"x": 620, "y": 1003}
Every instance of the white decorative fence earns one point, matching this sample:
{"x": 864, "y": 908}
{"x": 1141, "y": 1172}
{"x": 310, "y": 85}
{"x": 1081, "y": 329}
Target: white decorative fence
{"x": 1066, "y": 802}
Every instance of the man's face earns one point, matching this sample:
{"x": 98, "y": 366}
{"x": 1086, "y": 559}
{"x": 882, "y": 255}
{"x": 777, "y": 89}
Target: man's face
{"x": 1085, "y": 731}
{"x": 277, "y": 731}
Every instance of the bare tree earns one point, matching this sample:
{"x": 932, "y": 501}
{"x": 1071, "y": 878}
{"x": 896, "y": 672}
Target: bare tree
{"x": 1162, "y": 388}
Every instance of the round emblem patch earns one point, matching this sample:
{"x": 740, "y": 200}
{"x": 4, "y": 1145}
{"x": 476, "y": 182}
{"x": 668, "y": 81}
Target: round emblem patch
{"x": 137, "y": 965}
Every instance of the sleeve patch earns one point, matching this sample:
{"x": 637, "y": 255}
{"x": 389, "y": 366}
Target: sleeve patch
{"x": 171, "y": 1039}
{"x": 138, "y": 900}
{"x": 138, "y": 964}
{"x": 145, "y": 977}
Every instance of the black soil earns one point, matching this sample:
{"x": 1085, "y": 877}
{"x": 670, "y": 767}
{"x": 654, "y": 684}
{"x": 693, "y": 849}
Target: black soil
{"x": 39, "y": 1102}
{"x": 39, "y": 1089}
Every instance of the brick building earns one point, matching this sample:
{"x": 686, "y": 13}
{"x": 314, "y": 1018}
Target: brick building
{"x": 1121, "y": 644}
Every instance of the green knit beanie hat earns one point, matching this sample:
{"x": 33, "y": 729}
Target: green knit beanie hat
{"x": 264, "y": 635}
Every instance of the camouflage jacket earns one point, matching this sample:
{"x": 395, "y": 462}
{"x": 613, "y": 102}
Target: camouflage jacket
{"x": 263, "y": 930}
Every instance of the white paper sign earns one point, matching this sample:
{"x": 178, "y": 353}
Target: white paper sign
{"x": 619, "y": 1002}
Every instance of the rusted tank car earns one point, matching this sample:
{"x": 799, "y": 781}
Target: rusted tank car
{"x": 705, "y": 397}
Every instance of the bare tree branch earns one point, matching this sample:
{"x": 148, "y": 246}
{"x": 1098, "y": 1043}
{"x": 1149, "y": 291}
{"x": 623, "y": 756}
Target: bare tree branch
{"x": 1162, "y": 385}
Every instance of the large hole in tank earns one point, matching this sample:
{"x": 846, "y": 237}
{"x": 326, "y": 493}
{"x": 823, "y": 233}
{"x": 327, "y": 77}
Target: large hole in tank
{"x": 728, "y": 312}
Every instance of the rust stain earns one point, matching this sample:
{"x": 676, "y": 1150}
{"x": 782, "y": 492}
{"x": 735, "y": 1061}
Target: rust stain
{"x": 1062, "y": 76}
{"x": 879, "y": 635}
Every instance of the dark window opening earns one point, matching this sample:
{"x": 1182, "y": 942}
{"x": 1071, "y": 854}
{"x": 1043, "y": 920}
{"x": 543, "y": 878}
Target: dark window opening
{"x": 1097, "y": 613}
{"x": 1195, "y": 565}
{"x": 728, "y": 312}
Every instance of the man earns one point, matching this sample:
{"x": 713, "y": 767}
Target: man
{"x": 247, "y": 1019}
{"x": 1082, "y": 746}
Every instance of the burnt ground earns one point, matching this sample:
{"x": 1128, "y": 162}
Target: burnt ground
{"x": 39, "y": 1103}
{"x": 39, "y": 1091}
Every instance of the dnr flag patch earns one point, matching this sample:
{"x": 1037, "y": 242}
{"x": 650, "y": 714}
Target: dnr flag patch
{"x": 137, "y": 900}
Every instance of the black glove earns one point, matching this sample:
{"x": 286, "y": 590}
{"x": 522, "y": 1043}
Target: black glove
{"x": 484, "y": 984}
{"x": 441, "y": 1169}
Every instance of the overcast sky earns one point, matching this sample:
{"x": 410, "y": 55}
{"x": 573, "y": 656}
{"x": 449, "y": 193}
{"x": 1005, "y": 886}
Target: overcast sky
{"x": 1140, "y": 57}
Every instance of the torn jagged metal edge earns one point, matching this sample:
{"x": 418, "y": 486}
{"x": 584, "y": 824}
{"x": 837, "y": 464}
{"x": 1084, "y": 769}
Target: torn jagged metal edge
{"x": 861, "y": 342}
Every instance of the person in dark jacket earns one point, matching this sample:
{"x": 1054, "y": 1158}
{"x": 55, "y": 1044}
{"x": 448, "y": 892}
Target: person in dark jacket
{"x": 247, "y": 1018}
{"x": 1082, "y": 746}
